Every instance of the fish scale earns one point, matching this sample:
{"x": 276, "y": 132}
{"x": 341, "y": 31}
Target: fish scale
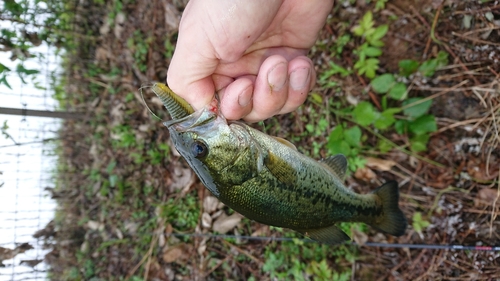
{"x": 267, "y": 180}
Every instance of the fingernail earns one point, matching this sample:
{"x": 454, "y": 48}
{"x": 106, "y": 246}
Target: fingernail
{"x": 299, "y": 78}
{"x": 277, "y": 77}
{"x": 245, "y": 97}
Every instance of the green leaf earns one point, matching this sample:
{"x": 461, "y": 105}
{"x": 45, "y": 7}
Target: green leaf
{"x": 419, "y": 223}
{"x": 400, "y": 126}
{"x": 417, "y": 109}
{"x": 398, "y": 92}
{"x": 335, "y": 68}
{"x": 367, "y": 21}
{"x": 316, "y": 98}
{"x": 365, "y": 113}
{"x": 310, "y": 128}
{"x": 112, "y": 180}
{"x": 370, "y": 67}
{"x": 423, "y": 124}
{"x": 381, "y": 84}
{"x": 372, "y": 51}
{"x": 3, "y": 80}
{"x": 379, "y": 32}
{"x": 111, "y": 166}
{"x": 20, "y": 69}
{"x": 428, "y": 68}
{"x": 408, "y": 67}
{"x": 442, "y": 59}
{"x": 3, "y": 68}
{"x": 338, "y": 146}
{"x": 358, "y": 30}
{"x": 418, "y": 143}
{"x": 13, "y": 7}
{"x": 383, "y": 146}
{"x": 386, "y": 119}
{"x": 353, "y": 136}
{"x": 336, "y": 134}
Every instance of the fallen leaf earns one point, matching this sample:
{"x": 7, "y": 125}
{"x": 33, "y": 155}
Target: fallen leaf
{"x": 206, "y": 220}
{"x": 359, "y": 237}
{"x": 182, "y": 178}
{"x": 119, "y": 21}
{"x": 365, "y": 174}
{"x": 210, "y": 204}
{"x": 379, "y": 164}
{"x": 95, "y": 225}
{"x": 262, "y": 231}
{"x": 173, "y": 254}
{"x": 172, "y": 17}
{"x": 487, "y": 196}
{"x": 225, "y": 223}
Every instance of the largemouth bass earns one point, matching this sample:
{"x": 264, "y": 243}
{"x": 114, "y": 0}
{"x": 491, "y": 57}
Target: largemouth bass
{"x": 267, "y": 180}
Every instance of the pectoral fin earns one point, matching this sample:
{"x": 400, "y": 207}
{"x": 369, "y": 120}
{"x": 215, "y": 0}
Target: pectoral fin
{"x": 338, "y": 164}
{"x": 285, "y": 142}
{"x": 329, "y": 235}
{"x": 280, "y": 169}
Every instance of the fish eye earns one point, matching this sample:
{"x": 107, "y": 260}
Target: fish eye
{"x": 199, "y": 149}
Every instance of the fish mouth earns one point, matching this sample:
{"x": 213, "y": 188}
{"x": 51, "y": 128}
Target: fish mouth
{"x": 203, "y": 118}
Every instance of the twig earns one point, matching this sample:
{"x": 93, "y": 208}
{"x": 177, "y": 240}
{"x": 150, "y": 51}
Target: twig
{"x": 434, "y": 23}
{"x": 475, "y": 40}
{"x": 145, "y": 257}
{"x": 493, "y": 212}
{"x": 463, "y": 123}
{"x": 241, "y": 251}
{"x": 487, "y": 9}
{"x": 447, "y": 90}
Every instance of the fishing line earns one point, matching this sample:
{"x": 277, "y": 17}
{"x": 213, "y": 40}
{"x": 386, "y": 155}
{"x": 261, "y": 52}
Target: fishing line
{"x": 367, "y": 244}
{"x": 145, "y": 86}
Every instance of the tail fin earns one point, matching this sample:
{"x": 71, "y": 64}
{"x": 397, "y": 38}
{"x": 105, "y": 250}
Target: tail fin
{"x": 393, "y": 220}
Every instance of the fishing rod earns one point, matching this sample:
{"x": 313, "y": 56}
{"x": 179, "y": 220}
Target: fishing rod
{"x": 368, "y": 244}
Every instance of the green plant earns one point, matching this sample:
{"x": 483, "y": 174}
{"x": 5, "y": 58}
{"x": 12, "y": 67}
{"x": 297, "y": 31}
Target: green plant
{"x": 419, "y": 223}
{"x": 368, "y": 52}
{"x": 183, "y": 213}
{"x": 347, "y": 141}
{"x": 139, "y": 45}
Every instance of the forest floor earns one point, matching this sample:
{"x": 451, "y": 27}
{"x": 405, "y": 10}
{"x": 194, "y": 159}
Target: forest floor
{"x": 130, "y": 208}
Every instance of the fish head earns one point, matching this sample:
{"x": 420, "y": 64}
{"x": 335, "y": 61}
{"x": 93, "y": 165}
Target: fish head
{"x": 218, "y": 152}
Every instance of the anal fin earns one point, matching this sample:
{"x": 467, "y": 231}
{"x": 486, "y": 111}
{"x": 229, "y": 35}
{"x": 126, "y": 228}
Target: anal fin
{"x": 331, "y": 235}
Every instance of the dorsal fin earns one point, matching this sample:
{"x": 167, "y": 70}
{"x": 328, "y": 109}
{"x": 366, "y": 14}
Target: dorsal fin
{"x": 338, "y": 164}
{"x": 285, "y": 142}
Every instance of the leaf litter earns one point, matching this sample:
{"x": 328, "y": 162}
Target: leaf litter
{"x": 118, "y": 222}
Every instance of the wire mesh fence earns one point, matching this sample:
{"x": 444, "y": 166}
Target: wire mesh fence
{"x": 27, "y": 168}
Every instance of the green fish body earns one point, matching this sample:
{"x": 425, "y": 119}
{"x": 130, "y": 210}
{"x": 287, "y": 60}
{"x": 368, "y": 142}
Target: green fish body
{"x": 267, "y": 180}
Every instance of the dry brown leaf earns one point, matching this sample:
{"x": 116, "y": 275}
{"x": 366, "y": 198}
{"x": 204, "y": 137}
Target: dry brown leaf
{"x": 172, "y": 17}
{"x": 380, "y": 164}
{"x": 206, "y": 220}
{"x": 477, "y": 169}
{"x": 486, "y": 196}
{"x": 365, "y": 174}
{"x": 95, "y": 225}
{"x": 261, "y": 231}
{"x": 173, "y": 254}
{"x": 359, "y": 237}
{"x": 182, "y": 178}
{"x": 225, "y": 223}
{"x": 119, "y": 27}
{"x": 210, "y": 204}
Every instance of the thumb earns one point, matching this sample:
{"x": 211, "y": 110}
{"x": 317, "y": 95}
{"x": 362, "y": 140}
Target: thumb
{"x": 189, "y": 74}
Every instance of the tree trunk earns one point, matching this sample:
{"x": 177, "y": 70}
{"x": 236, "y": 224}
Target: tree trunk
{"x": 41, "y": 113}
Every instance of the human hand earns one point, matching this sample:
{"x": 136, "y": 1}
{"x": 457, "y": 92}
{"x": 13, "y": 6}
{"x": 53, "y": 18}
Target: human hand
{"x": 251, "y": 52}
